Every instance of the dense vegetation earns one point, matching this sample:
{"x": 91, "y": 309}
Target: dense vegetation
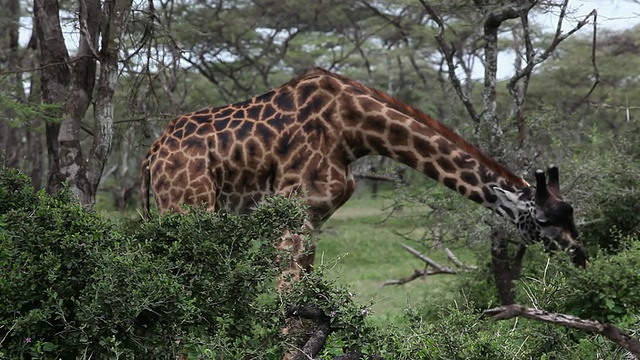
{"x": 78, "y": 285}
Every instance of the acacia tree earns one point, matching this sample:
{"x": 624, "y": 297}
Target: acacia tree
{"x": 69, "y": 82}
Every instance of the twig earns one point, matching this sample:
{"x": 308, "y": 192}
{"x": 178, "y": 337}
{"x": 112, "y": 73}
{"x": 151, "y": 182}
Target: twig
{"x": 614, "y": 107}
{"x": 586, "y": 223}
{"x": 417, "y": 273}
{"x": 7, "y": 334}
{"x": 43, "y": 67}
{"x": 607, "y": 330}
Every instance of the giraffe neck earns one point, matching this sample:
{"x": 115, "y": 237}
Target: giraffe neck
{"x": 376, "y": 123}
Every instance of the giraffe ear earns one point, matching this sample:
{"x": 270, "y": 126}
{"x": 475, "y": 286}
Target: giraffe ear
{"x": 510, "y": 199}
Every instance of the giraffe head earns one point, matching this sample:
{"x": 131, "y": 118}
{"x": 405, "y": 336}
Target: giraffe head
{"x": 541, "y": 214}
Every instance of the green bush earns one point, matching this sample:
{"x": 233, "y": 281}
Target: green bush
{"x": 51, "y": 258}
{"x": 609, "y": 291}
{"x": 77, "y": 285}
{"x": 602, "y": 187}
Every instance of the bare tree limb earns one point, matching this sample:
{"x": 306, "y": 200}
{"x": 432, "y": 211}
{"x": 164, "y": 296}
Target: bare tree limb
{"x": 448, "y": 54}
{"x": 613, "y": 107}
{"x": 518, "y": 89}
{"x": 607, "y": 330}
{"x": 557, "y": 39}
{"x": 436, "y": 268}
{"x": 457, "y": 261}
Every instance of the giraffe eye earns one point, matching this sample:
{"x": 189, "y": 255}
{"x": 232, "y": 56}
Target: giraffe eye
{"x": 542, "y": 222}
{"x": 541, "y": 219}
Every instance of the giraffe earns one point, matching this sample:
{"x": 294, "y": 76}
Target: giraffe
{"x": 301, "y": 138}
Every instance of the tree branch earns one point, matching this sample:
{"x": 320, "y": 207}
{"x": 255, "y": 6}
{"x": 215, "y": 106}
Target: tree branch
{"x": 436, "y": 267}
{"x": 448, "y": 53}
{"x": 607, "y": 330}
{"x": 596, "y": 73}
{"x": 518, "y": 93}
{"x": 557, "y": 39}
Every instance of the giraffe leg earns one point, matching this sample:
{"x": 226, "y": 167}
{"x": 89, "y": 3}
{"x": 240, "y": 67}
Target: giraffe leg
{"x": 294, "y": 244}
{"x": 298, "y": 262}
{"x": 303, "y": 251}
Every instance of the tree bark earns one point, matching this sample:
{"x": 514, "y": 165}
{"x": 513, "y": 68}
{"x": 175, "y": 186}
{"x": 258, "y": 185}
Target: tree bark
{"x": 504, "y": 272}
{"x": 34, "y": 134}
{"x": 20, "y": 143}
{"x": 490, "y": 116}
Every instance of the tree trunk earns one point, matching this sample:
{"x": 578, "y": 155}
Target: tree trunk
{"x": 73, "y": 165}
{"x": 55, "y": 78}
{"x": 34, "y": 134}
{"x": 490, "y": 116}
{"x": 75, "y": 88}
{"x": 503, "y": 271}
{"x": 505, "y": 268}
{"x": 116, "y": 11}
{"x": 12, "y": 133}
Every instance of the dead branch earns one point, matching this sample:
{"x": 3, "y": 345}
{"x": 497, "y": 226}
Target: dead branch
{"x": 596, "y": 72}
{"x": 417, "y": 273}
{"x": 599, "y": 106}
{"x": 319, "y": 335}
{"x": 607, "y": 330}
{"x": 436, "y": 268}
{"x": 457, "y": 261}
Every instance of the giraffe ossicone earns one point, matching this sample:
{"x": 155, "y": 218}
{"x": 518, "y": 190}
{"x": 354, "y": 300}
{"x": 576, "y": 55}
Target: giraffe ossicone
{"x": 302, "y": 137}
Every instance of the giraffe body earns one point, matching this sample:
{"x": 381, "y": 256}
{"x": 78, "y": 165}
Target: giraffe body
{"x": 230, "y": 158}
{"x": 301, "y": 138}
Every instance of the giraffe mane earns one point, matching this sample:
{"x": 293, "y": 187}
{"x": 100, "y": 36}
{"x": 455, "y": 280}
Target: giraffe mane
{"x": 419, "y": 115}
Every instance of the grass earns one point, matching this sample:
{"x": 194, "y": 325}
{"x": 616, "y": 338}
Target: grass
{"x": 368, "y": 252}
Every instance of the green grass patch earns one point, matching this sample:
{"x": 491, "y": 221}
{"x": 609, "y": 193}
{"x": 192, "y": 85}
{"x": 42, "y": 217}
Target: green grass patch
{"x": 369, "y": 251}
